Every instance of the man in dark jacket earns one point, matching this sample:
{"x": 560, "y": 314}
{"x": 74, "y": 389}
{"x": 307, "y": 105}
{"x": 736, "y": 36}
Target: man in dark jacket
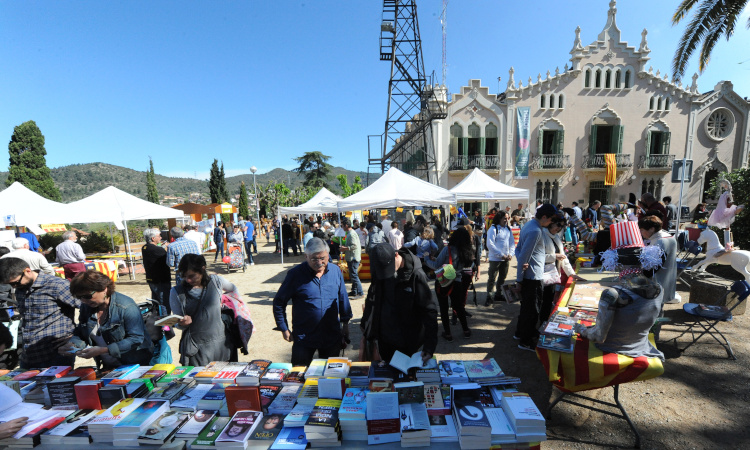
{"x": 400, "y": 312}
{"x": 416, "y": 229}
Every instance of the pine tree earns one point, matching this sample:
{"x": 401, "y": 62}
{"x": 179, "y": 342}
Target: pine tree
{"x": 214, "y": 188}
{"x": 314, "y": 167}
{"x": 223, "y": 193}
{"x": 28, "y": 164}
{"x": 152, "y": 194}
{"x": 242, "y": 204}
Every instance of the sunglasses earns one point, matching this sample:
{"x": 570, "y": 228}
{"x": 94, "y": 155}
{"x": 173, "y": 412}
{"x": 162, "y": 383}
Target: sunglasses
{"x": 15, "y": 284}
{"x": 86, "y": 297}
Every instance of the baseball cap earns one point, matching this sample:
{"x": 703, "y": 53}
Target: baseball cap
{"x": 383, "y": 261}
{"x": 547, "y": 210}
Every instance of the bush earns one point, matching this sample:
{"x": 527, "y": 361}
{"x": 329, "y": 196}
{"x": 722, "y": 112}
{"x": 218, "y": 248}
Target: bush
{"x": 95, "y": 243}
{"x": 740, "y": 180}
{"x": 50, "y": 240}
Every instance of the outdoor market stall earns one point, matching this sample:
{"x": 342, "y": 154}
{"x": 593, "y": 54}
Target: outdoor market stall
{"x": 480, "y": 187}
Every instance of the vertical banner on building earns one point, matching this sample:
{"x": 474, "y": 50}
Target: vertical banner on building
{"x": 610, "y": 160}
{"x": 523, "y": 127}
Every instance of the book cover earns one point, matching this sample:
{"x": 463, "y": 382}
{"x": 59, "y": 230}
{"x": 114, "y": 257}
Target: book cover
{"x": 268, "y": 429}
{"x": 502, "y": 431}
{"x": 296, "y": 375}
{"x": 299, "y": 414}
{"x": 354, "y": 403}
{"x": 168, "y": 368}
{"x": 143, "y": 415}
{"x": 337, "y": 367}
{"x": 87, "y": 394}
{"x": 111, "y": 394}
{"x": 84, "y": 373}
{"x": 137, "y": 373}
{"x": 410, "y": 392}
{"x": 55, "y": 371}
{"x": 197, "y": 423}
{"x": 587, "y": 300}
{"x": 484, "y": 368}
{"x": 468, "y": 409}
{"x": 316, "y": 369}
{"x": 324, "y": 417}
{"x": 72, "y": 422}
{"x": 190, "y": 398}
{"x": 171, "y": 391}
{"x": 163, "y": 428}
{"x": 585, "y": 317}
{"x": 414, "y": 419}
{"x": 211, "y": 370}
{"x": 380, "y": 386}
{"x": 119, "y": 372}
{"x": 290, "y": 438}
{"x": 564, "y": 344}
{"x": 442, "y": 425}
{"x": 229, "y": 372}
{"x": 267, "y": 394}
{"x": 433, "y": 398}
{"x": 243, "y": 398}
{"x": 254, "y": 371}
{"x": 178, "y": 372}
{"x": 240, "y": 427}
{"x": 381, "y": 369}
{"x": 154, "y": 375}
{"x": 211, "y": 432}
{"x": 360, "y": 369}
{"x": 116, "y": 413}
{"x": 27, "y": 375}
{"x": 331, "y": 388}
{"x": 521, "y": 409}
{"x": 383, "y": 417}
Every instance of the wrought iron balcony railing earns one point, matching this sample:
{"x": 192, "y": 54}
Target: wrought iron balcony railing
{"x": 470, "y": 162}
{"x": 541, "y": 162}
{"x": 597, "y": 161}
{"x": 656, "y": 162}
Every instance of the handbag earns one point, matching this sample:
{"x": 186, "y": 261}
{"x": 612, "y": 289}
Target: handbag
{"x": 187, "y": 346}
{"x": 551, "y": 275}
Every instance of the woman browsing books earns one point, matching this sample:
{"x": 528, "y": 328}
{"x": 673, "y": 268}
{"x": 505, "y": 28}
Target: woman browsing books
{"x": 198, "y": 300}
{"x": 110, "y": 327}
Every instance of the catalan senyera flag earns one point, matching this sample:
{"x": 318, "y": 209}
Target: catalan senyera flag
{"x": 610, "y": 160}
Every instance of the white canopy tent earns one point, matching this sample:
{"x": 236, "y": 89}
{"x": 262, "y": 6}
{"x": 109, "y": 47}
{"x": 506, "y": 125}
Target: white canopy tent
{"x": 480, "y": 187}
{"x": 397, "y": 189}
{"x": 323, "y": 202}
{"x": 21, "y": 206}
{"x": 113, "y": 205}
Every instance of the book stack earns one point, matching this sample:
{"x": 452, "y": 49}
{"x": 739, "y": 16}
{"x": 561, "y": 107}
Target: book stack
{"x": 473, "y": 427}
{"x": 380, "y": 370}
{"x": 415, "y": 425}
{"x": 484, "y": 372}
{"x": 214, "y": 398}
{"x": 502, "y": 431}
{"x": 171, "y": 391}
{"x": 188, "y": 401}
{"x": 316, "y": 369}
{"x": 30, "y": 435}
{"x": 52, "y": 373}
{"x": 353, "y": 414}
{"x": 266, "y": 432}
{"x": 100, "y": 427}
{"x": 383, "y": 423}
{"x": 358, "y": 373}
{"x": 206, "y": 376}
{"x": 229, "y": 372}
{"x": 296, "y": 376}
{"x": 179, "y": 372}
{"x": 322, "y": 428}
{"x": 119, "y": 373}
{"x": 285, "y": 400}
{"x": 210, "y": 433}
{"x": 62, "y": 391}
{"x": 429, "y": 373}
{"x": 337, "y": 368}
{"x": 111, "y": 394}
{"x": 290, "y": 438}
{"x": 73, "y": 430}
{"x": 87, "y": 394}
{"x": 193, "y": 428}
{"x": 238, "y": 430}
{"x": 163, "y": 429}
{"x": 298, "y": 416}
{"x": 126, "y": 431}
{"x": 442, "y": 426}
{"x": 308, "y": 394}
{"x": 139, "y": 372}
{"x": 527, "y": 421}
{"x": 267, "y": 395}
{"x": 331, "y": 388}
{"x": 276, "y": 374}
{"x": 251, "y": 375}
{"x": 453, "y": 372}
{"x": 557, "y": 343}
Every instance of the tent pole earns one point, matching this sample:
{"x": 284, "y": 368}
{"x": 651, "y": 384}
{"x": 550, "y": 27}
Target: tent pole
{"x": 281, "y": 233}
{"x": 111, "y": 237}
{"x": 127, "y": 251}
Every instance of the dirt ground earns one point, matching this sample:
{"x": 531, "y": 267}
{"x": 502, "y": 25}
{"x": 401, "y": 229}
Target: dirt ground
{"x": 701, "y": 401}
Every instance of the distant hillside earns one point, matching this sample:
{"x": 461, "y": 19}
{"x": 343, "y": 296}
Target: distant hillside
{"x": 81, "y": 180}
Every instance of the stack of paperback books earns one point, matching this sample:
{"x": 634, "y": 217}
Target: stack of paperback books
{"x": 352, "y": 414}
{"x": 322, "y": 428}
{"x": 525, "y": 418}
{"x": 473, "y": 427}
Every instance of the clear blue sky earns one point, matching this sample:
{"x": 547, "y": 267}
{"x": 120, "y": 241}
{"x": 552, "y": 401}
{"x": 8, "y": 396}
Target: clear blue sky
{"x": 261, "y": 82}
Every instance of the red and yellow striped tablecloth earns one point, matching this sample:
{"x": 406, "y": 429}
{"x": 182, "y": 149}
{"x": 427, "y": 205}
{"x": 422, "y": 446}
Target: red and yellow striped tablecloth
{"x": 364, "y": 268}
{"x": 108, "y": 268}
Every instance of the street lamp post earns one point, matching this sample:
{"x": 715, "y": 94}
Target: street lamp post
{"x": 255, "y": 188}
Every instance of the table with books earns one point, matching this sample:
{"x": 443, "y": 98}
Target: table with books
{"x": 575, "y": 364}
{"x": 446, "y": 404}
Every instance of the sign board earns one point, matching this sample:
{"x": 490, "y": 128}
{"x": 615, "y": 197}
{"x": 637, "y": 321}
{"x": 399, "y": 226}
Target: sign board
{"x": 226, "y": 208}
{"x": 383, "y": 212}
{"x": 677, "y": 171}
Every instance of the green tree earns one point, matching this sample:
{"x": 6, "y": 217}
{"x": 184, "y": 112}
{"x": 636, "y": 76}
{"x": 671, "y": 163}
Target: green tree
{"x": 242, "y": 203}
{"x": 28, "y": 164}
{"x": 315, "y": 169}
{"x": 223, "y": 193}
{"x": 152, "y": 194}
{"x": 214, "y": 187}
{"x": 740, "y": 179}
{"x": 357, "y": 186}
{"x": 346, "y": 188}
{"x": 712, "y": 20}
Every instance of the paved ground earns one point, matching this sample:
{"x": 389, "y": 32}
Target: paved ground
{"x": 701, "y": 401}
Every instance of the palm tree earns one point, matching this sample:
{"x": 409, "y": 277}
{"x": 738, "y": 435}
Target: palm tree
{"x": 712, "y": 20}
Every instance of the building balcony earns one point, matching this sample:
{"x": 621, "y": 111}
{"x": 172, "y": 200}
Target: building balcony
{"x": 550, "y": 163}
{"x": 597, "y": 163}
{"x": 467, "y": 163}
{"x": 655, "y": 163}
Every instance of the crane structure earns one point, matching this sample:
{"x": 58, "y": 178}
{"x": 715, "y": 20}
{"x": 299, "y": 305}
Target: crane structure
{"x": 407, "y": 142}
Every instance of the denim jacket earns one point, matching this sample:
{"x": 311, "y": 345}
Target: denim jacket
{"x": 123, "y": 331}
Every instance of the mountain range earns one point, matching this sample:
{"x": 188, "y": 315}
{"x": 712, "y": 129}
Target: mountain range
{"x": 77, "y": 181}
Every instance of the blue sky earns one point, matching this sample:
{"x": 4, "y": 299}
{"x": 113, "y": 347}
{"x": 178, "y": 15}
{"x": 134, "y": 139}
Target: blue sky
{"x": 259, "y": 82}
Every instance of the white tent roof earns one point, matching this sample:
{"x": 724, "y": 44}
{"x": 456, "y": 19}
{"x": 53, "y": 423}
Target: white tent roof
{"x": 394, "y": 189}
{"x": 113, "y": 205}
{"x": 322, "y": 202}
{"x": 478, "y": 186}
{"x": 30, "y": 208}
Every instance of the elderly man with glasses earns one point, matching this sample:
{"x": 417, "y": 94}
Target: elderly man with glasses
{"x": 320, "y": 306}
{"x": 48, "y": 310}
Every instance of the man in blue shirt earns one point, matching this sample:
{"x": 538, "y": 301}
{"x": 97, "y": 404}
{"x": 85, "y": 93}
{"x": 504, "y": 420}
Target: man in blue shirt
{"x": 320, "y": 306}
{"x": 249, "y": 230}
{"x": 501, "y": 247}
{"x": 179, "y": 248}
{"x": 530, "y": 256}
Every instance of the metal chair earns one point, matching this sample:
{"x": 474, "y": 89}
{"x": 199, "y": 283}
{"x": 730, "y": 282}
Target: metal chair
{"x": 691, "y": 250}
{"x": 707, "y": 317}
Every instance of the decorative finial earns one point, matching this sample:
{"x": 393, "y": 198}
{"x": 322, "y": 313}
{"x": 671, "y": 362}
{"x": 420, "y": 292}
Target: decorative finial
{"x": 565, "y": 69}
{"x": 511, "y": 81}
{"x": 539, "y": 78}
{"x": 557, "y": 70}
{"x": 577, "y": 45}
{"x": 694, "y": 86}
{"x": 650, "y": 69}
{"x": 644, "y": 44}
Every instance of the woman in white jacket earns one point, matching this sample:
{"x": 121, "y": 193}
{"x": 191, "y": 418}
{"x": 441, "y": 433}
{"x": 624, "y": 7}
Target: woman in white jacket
{"x": 555, "y": 257}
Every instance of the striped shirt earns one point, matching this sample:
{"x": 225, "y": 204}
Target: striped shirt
{"x": 48, "y": 311}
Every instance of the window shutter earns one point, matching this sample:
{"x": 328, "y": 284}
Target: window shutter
{"x": 648, "y": 143}
{"x": 559, "y": 141}
{"x": 454, "y": 146}
{"x": 665, "y": 142}
{"x": 464, "y": 146}
{"x": 617, "y": 139}
{"x": 540, "y": 142}
{"x": 482, "y": 145}
{"x": 592, "y": 139}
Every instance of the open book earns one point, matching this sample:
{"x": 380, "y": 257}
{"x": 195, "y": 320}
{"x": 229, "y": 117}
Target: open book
{"x": 11, "y": 407}
{"x": 170, "y": 320}
{"x": 403, "y": 363}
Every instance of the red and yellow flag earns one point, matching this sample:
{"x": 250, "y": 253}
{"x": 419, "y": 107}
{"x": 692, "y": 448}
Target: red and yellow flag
{"x": 610, "y": 160}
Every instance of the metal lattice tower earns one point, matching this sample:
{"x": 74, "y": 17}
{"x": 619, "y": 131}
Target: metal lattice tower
{"x": 407, "y": 142}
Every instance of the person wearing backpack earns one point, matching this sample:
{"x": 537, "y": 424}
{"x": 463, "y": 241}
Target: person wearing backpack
{"x": 501, "y": 247}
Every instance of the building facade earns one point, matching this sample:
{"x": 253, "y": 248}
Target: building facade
{"x": 606, "y": 100}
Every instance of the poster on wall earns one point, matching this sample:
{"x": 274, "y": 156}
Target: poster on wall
{"x": 523, "y": 126}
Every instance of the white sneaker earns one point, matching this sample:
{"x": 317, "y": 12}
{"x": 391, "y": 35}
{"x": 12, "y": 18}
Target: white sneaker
{"x": 677, "y": 299}
{"x": 252, "y": 263}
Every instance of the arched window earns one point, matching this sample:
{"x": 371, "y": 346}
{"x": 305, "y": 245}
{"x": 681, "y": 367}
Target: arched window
{"x": 666, "y": 104}
{"x": 627, "y": 79}
{"x": 608, "y": 79}
{"x": 473, "y": 144}
{"x": 658, "y": 104}
{"x": 598, "y": 80}
{"x": 651, "y": 104}
{"x": 456, "y": 138}
{"x": 490, "y": 150}
{"x": 552, "y": 101}
{"x": 561, "y": 101}
{"x": 644, "y": 187}
{"x": 587, "y": 78}
{"x": 617, "y": 79}
{"x": 542, "y": 101}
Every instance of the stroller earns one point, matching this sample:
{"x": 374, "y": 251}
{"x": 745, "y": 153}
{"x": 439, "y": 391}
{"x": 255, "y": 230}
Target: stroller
{"x": 236, "y": 255}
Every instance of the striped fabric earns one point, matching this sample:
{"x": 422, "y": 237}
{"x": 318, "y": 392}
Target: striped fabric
{"x": 516, "y": 233}
{"x": 108, "y": 268}
{"x": 625, "y": 234}
{"x": 364, "y": 268}
{"x": 610, "y": 160}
